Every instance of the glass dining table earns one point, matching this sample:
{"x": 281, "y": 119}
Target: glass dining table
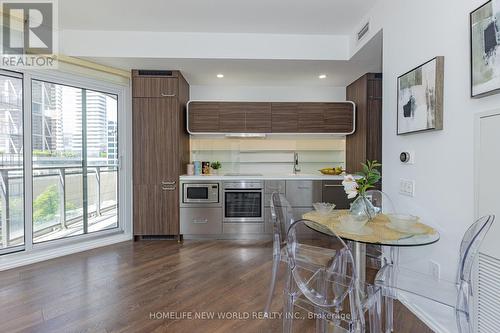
{"x": 379, "y": 231}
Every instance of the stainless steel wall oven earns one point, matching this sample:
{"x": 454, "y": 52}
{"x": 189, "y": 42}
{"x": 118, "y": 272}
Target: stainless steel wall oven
{"x": 243, "y": 201}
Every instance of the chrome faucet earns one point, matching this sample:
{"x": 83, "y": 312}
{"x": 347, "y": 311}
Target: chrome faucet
{"x": 296, "y": 168}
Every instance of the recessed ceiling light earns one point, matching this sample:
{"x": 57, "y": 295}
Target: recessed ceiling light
{"x": 220, "y": 76}
{"x": 322, "y": 76}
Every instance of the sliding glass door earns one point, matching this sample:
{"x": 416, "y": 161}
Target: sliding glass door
{"x": 11, "y": 162}
{"x": 102, "y": 160}
{"x": 57, "y": 155}
{"x": 75, "y": 161}
{"x": 65, "y": 183}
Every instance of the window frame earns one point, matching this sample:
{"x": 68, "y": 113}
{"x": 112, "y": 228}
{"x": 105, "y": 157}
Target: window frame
{"x": 124, "y": 183}
{"x": 22, "y": 247}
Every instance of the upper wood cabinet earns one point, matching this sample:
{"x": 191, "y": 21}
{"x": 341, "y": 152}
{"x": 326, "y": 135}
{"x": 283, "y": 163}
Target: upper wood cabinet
{"x": 338, "y": 118}
{"x": 262, "y": 117}
{"x": 203, "y": 117}
{"x": 154, "y": 85}
{"x": 257, "y": 117}
{"x": 231, "y": 117}
{"x": 284, "y": 117}
{"x": 311, "y": 117}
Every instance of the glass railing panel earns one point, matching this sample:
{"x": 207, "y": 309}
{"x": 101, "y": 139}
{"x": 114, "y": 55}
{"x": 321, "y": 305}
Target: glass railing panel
{"x": 74, "y": 194}
{"x": 55, "y": 192}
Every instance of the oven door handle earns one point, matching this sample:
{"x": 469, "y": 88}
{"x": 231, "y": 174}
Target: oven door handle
{"x": 242, "y": 190}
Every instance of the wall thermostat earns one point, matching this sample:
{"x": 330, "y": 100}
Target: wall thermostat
{"x": 406, "y": 157}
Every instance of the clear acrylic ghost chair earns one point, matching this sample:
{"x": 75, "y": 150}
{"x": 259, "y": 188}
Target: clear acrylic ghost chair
{"x": 383, "y": 204}
{"x": 456, "y": 296}
{"x": 326, "y": 284}
{"x": 381, "y": 201}
{"x": 282, "y": 218}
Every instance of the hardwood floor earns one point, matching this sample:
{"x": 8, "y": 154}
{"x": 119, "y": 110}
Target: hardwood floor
{"x": 148, "y": 286}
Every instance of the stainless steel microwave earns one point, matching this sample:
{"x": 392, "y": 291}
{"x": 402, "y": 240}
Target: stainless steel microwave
{"x": 200, "y": 193}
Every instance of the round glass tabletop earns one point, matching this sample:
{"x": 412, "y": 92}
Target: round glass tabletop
{"x": 379, "y": 231}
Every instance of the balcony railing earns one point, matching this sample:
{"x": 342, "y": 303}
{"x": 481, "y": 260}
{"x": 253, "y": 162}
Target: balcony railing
{"x": 57, "y": 200}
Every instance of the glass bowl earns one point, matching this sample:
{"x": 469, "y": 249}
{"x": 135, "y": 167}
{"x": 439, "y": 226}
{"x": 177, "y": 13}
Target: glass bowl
{"x": 403, "y": 221}
{"x": 352, "y": 223}
{"x": 323, "y": 208}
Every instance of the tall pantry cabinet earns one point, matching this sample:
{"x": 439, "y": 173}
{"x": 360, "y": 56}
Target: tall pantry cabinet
{"x": 160, "y": 150}
{"x": 366, "y": 142}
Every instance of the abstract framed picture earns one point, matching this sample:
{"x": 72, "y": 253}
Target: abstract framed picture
{"x": 420, "y": 98}
{"x": 484, "y": 49}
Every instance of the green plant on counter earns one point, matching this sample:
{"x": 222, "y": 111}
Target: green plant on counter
{"x": 216, "y": 165}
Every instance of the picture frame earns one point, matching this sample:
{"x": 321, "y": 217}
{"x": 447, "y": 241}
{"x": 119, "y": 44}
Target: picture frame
{"x": 484, "y": 31}
{"x": 420, "y": 98}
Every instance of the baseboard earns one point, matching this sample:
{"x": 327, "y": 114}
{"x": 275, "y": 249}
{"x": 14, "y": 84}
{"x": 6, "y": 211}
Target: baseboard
{"x": 257, "y": 237}
{"x": 18, "y": 259}
{"x": 422, "y": 315}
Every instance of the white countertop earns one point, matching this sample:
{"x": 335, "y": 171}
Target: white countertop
{"x": 305, "y": 176}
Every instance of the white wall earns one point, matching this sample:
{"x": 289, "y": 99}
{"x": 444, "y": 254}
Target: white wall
{"x": 199, "y": 45}
{"x": 268, "y": 94}
{"x": 414, "y": 32}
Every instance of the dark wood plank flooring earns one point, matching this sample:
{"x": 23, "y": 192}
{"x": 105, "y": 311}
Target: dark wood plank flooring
{"x": 121, "y": 288}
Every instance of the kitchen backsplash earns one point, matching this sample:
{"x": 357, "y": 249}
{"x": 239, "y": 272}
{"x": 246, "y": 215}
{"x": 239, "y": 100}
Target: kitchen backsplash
{"x": 270, "y": 154}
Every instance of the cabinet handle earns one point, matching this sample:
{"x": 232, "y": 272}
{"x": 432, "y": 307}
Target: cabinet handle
{"x": 168, "y": 183}
{"x": 167, "y": 95}
{"x": 200, "y": 221}
{"x": 333, "y": 185}
{"x": 165, "y": 187}
{"x": 274, "y": 189}
{"x": 303, "y": 188}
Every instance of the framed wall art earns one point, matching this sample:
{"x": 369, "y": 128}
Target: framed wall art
{"x": 420, "y": 98}
{"x": 484, "y": 49}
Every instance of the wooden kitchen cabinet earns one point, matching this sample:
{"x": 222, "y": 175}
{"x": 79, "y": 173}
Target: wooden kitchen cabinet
{"x": 160, "y": 152}
{"x": 285, "y": 118}
{"x": 150, "y": 84}
{"x": 311, "y": 117}
{"x": 263, "y": 117}
{"x": 231, "y": 117}
{"x": 257, "y": 117}
{"x": 333, "y": 192}
{"x": 366, "y": 142}
{"x": 338, "y": 118}
{"x": 203, "y": 117}
{"x": 326, "y": 117}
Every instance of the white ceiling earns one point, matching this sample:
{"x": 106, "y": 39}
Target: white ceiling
{"x": 235, "y": 16}
{"x": 263, "y": 72}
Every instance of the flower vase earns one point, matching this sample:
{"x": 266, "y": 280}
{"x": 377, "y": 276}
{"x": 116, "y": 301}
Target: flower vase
{"x": 362, "y": 208}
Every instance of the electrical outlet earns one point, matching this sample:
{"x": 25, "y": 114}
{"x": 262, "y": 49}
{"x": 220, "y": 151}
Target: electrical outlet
{"x": 435, "y": 270}
{"x": 407, "y": 187}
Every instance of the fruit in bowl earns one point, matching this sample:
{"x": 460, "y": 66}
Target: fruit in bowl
{"x": 403, "y": 221}
{"x": 332, "y": 171}
{"x": 352, "y": 223}
{"x": 323, "y": 208}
